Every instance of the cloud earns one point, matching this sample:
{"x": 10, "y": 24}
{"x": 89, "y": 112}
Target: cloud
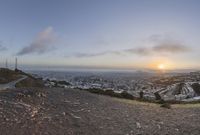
{"x": 171, "y": 48}
{"x": 139, "y": 51}
{"x": 2, "y": 48}
{"x": 160, "y": 45}
{"x": 80, "y": 55}
{"x": 164, "y": 48}
{"x": 43, "y": 42}
{"x": 160, "y": 49}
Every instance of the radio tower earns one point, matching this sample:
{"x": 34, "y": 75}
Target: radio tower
{"x": 6, "y": 63}
{"x": 16, "y": 64}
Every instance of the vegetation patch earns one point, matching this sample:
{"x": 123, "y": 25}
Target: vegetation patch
{"x": 111, "y": 93}
{"x": 196, "y": 88}
{"x": 7, "y": 75}
{"x": 30, "y": 82}
{"x": 126, "y": 95}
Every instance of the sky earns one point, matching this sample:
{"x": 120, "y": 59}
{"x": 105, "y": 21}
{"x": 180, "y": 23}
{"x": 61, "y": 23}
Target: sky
{"x": 111, "y": 34}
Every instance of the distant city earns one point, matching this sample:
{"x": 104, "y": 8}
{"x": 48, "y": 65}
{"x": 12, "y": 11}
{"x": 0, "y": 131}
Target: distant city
{"x": 166, "y": 86}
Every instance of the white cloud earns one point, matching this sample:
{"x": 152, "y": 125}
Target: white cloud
{"x": 43, "y": 42}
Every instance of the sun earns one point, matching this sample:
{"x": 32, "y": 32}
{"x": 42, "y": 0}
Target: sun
{"x": 161, "y": 66}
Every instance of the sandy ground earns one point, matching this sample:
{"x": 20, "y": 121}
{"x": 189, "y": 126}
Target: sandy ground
{"x": 74, "y": 112}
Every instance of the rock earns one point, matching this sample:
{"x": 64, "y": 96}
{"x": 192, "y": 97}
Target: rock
{"x": 64, "y": 113}
{"x": 138, "y": 125}
{"x": 177, "y": 129}
{"x": 159, "y": 127}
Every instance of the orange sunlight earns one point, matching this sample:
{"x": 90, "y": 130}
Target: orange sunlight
{"x": 161, "y": 64}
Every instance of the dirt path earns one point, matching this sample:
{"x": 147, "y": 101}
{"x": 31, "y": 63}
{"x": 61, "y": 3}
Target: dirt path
{"x": 75, "y": 112}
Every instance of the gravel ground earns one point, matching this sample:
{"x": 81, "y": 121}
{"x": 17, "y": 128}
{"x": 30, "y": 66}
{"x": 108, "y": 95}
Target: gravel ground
{"x": 73, "y": 112}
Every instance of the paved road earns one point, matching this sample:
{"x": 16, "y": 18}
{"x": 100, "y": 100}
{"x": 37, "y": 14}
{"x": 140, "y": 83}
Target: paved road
{"x": 12, "y": 84}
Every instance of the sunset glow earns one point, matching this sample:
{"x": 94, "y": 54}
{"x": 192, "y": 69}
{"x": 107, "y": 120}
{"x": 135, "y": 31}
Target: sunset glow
{"x": 161, "y": 66}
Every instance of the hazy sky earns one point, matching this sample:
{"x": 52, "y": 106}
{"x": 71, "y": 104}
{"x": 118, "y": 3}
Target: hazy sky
{"x": 101, "y": 33}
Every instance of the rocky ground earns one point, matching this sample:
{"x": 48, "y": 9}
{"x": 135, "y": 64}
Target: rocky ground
{"x": 75, "y": 112}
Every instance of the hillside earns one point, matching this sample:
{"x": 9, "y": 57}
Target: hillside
{"x": 30, "y": 82}
{"x": 73, "y": 112}
{"x": 30, "y": 108}
{"x": 7, "y": 75}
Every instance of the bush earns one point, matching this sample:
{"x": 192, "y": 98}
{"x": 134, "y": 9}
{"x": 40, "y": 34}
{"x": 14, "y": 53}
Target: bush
{"x": 157, "y": 95}
{"x": 63, "y": 83}
{"x": 196, "y": 88}
{"x": 111, "y": 93}
{"x": 166, "y": 105}
{"x": 126, "y": 95}
{"x": 161, "y": 101}
{"x": 96, "y": 91}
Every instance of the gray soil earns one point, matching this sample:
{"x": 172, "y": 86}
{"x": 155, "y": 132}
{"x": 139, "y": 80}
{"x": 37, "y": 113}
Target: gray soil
{"x": 74, "y": 112}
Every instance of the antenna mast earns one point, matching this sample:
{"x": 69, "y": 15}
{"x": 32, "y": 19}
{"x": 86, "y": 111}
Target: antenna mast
{"x": 6, "y": 63}
{"x": 15, "y": 63}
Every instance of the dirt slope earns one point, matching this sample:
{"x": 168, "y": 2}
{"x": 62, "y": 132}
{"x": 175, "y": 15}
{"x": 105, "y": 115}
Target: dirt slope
{"x": 74, "y": 112}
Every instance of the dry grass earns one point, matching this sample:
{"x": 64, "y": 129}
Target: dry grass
{"x": 178, "y": 105}
{"x": 30, "y": 82}
{"x": 136, "y": 102}
{"x": 7, "y": 75}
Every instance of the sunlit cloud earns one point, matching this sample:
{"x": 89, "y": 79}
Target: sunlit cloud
{"x": 43, "y": 42}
